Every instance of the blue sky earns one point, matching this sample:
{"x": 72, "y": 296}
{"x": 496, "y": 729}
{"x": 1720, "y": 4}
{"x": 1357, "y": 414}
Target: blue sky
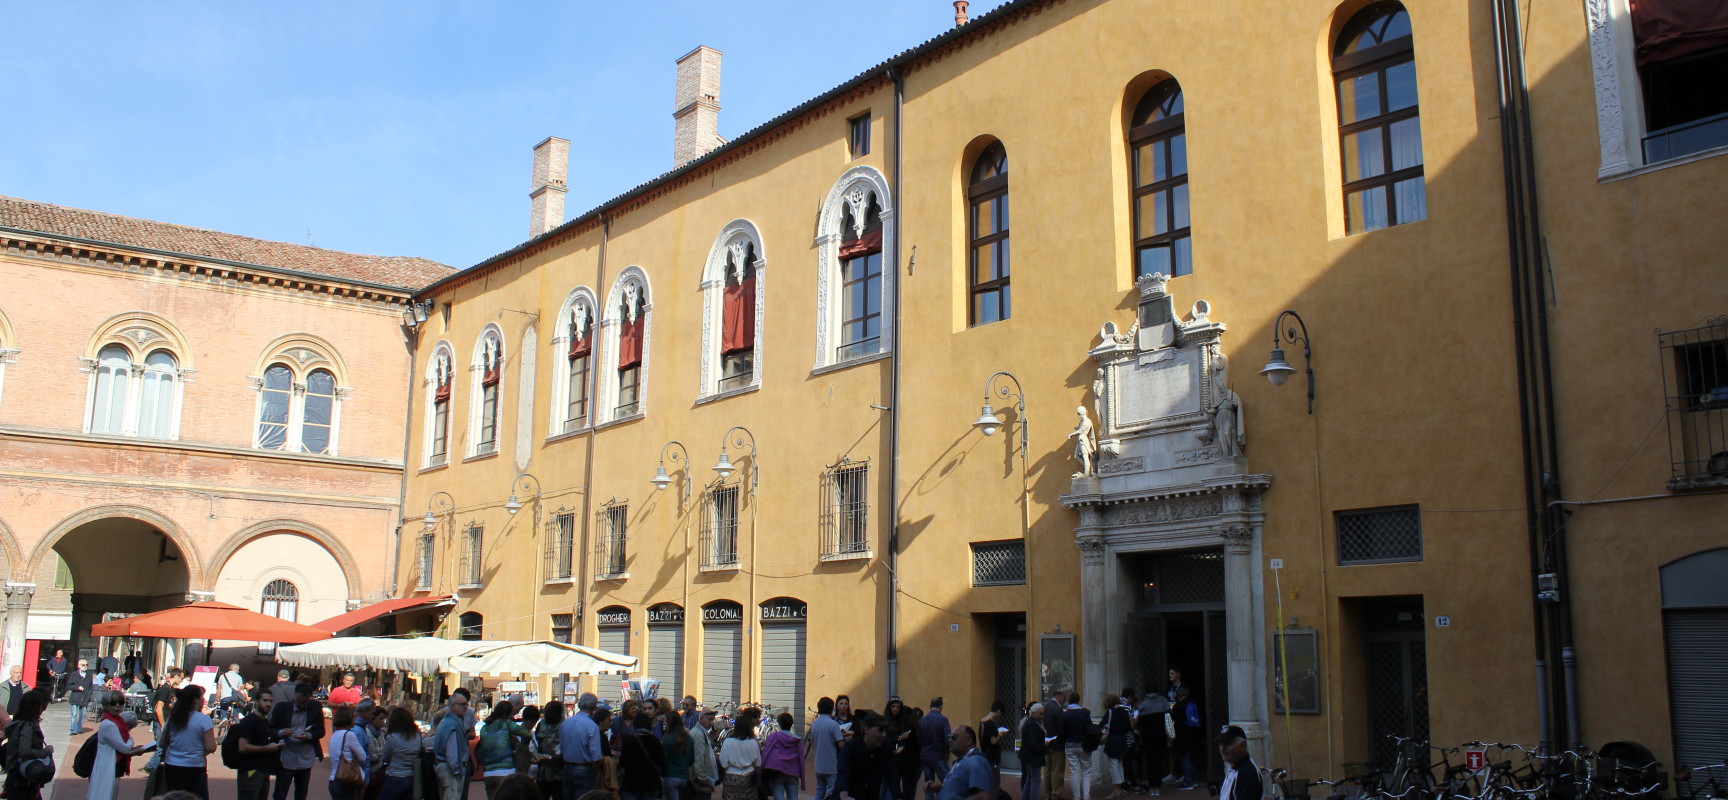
{"x": 396, "y": 128}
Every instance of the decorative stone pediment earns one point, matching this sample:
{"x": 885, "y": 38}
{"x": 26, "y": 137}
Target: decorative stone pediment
{"x": 142, "y": 336}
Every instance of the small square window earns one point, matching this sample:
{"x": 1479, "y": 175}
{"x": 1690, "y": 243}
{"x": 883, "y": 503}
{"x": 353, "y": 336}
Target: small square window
{"x": 860, "y": 139}
{"x": 1379, "y": 535}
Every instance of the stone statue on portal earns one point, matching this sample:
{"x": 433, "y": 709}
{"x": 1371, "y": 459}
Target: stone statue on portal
{"x": 1085, "y": 444}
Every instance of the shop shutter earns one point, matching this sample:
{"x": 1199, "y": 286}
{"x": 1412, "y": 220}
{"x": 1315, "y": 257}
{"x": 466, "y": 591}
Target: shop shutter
{"x": 783, "y": 669}
{"x": 615, "y": 640}
{"x": 666, "y": 659}
{"x": 722, "y": 652}
{"x": 1697, "y": 670}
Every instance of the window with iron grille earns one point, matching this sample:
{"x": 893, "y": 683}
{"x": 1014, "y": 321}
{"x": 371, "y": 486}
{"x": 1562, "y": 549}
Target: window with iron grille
{"x": 999, "y": 563}
{"x": 562, "y": 626}
{"x": 1379, "y": 535}
{"x": 610, "y": 548}
{"x": 473, "y": 538}
{"x": 846, "y": 510}
{"x": 560, "y": 545}
{"x": 1695, "y": 374}
{"x": 719, "y": 541}
{"x": 424, "y": 581}
{"x": 281, "y": 600}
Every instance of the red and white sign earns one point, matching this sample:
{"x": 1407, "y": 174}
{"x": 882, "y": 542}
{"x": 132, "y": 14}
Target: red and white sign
{"x": 1474, "y": 759}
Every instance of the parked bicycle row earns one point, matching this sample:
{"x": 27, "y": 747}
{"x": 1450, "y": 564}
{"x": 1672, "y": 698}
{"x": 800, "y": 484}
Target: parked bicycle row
{"x": 1480, "y": 770}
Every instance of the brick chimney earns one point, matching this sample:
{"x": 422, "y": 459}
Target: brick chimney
{"x": 546, "y": 199}
{"x": 696, "y": 104}
{"x": 960, "y": 17}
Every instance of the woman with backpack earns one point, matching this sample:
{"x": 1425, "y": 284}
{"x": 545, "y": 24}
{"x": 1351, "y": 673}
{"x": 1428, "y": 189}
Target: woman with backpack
{"x": 1190, "y": 738}
{"x": 189, "y": 739}
{"x": 346, "y": 751}
{"x": 24, "y": 745}
{"x": 549, "y": 751}
{"x": 1151, "y": 728}
{"x": 114, "y": 748}
{"x": 496, "y": 747}
{"x": 783, "y": 761}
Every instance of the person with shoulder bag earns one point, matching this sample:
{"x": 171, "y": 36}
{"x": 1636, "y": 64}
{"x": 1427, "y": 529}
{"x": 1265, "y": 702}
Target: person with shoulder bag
{"x": 29, "y": 758}
{"x": 348, "y": 767}
{"x": 114, "y": 749}
{"x": 641, "y": 760}
{"x": 495, "y": 748}
{"x": 188, "y": 740}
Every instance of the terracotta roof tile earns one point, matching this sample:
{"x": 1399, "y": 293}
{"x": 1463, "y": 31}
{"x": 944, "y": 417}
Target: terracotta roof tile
{"x": 405, "y": 272}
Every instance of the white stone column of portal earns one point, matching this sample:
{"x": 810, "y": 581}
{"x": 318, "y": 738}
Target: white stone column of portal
{"x": 1094, "y": 605}
{"x": 1239, "y": 629}
{"x": 18, "y": 597}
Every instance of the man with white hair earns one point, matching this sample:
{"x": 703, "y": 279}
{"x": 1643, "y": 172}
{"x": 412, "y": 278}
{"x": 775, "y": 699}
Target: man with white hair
{"x": 579, "y": 741}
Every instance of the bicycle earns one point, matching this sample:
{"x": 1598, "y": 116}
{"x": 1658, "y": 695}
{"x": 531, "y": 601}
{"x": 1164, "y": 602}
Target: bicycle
{"x": 1712, "y": 789}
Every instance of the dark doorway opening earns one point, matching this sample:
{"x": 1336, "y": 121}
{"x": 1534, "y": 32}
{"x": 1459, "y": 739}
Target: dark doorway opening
{"x": 1395, "y": 672}
{"x": 1178, "y": 624}
{"x": 1010, "y": 685}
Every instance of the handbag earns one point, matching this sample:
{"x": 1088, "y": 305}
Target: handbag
{"x": 348, "y": 772}
{"x": 1169, "y": 727}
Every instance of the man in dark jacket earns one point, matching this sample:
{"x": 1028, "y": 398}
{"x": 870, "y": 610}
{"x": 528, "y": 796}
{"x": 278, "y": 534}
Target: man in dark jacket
{"x": 78, "y": 691}
{"x": 1056, "y": 768}
{"x": 870, "y": 762}
{"x": 300, "y": 724}
{"x": 933, "y": 733}
{"x": 1071, "y": 741}
{"x": 1242, "y": 779}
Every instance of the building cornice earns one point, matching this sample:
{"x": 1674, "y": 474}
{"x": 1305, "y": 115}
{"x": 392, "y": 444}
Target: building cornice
{"x": 194, "y": 448}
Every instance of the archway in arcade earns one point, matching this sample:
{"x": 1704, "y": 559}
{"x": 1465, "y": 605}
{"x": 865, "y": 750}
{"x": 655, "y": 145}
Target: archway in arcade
{"x": 115, "y": 567}
{"x": 284, "y": 575}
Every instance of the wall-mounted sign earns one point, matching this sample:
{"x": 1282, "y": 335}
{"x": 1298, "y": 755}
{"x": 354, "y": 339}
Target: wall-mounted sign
{"x": 784, "y": 609}
{"x": 665, "y": 614}
{"x": 613, "y": 617}
{"x": 723, "y": 611}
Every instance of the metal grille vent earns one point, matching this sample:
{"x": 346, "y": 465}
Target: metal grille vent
{"x": 1380, "y": 535}
{"x": 562, "y": 625}
{"x": 999, "y": 563}
{"x": 1191, "y": 578}
{"x": 846, "y": 511}
{"x": 1695, "y": 378}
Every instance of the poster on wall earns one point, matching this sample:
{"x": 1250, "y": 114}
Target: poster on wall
{"x": 1296, "y": 656}
{"x": 1055, "y": 662}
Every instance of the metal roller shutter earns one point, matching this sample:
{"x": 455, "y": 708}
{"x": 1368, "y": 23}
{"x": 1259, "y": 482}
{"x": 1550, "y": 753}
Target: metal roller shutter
{"x": 615, "y": 640}
{"x": 1697, "y": 670}
{"x": 722, "y": 653}
{"x": 666, "y": 659}
{"x": 783, "y": 669}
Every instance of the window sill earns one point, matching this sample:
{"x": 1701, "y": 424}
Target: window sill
{"x": 863, "y": 556}
{"x": 471, "y": 586}
{"x": 559, "y": 437}
{"x": 727, "y": 567}
{"x": 480, "y": 457}
{"x": 434, "y": 467}
{"x": 709, "y": 398}
{"x": 1662, "y": 165}
{"x": 560, "y": 581}
{"x": 823, "y": 369}
{"x": 621, "y": 420}
{"x": 620, "y": 576}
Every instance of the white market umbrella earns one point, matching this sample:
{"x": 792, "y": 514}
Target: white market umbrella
{"x": 541, "y": 658}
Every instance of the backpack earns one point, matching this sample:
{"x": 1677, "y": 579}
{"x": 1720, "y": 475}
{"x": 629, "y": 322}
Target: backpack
{"x": 494, "y": 744}
{"x": 1191, "y": 715}
{"x": 85, "y": 761}
{"x": 1094, "y": 735}
{"x": 230, "y": 747}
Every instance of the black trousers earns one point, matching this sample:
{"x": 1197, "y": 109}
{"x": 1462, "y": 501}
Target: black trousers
{"x": 300, "y": 778}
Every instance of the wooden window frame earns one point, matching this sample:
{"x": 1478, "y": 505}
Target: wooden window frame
{"x": 858, "y": 135}
{"x": 1376, "y": 60}
{"x": 1159, "y": 133}
{"x": 978, "y": 194}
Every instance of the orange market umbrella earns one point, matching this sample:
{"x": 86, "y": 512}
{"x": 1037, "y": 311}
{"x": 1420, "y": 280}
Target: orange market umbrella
{"x": 210, "y": 620}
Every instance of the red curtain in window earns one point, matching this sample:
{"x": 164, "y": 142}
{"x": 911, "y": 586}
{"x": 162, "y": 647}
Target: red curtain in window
{"x": 738, "y": 328}
{"x": 491, "y": 378}
{"x": 862, "y": 246}
{"x": 1668, "y": 29}
{"x": 581, "y": 347}
{"x": 443, "y": 393}
{"x": 630, "y": 344}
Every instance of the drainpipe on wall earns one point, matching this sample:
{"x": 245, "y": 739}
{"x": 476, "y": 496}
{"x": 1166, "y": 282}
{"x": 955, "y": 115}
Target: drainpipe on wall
{"x": 413, "y": 346}
{"x": 894, "y": 392}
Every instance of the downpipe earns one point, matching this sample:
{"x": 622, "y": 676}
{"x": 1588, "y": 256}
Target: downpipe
{"x": 893, "y": 659}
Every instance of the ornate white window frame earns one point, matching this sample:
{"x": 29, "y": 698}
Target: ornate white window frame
{"x": 140, "y": 334}
{"x": 734, "y": 241}
{"x": 488, "y": 347}
{"x": 8, "y": 350}
{"x": 441, "y": 367}
{"x": 1619, "y": 100}
{"x": 605, "y": 363}
{"x": 302, "y": 354}
{"x": 582, "y": 298}
{"x": 854, "y": 189}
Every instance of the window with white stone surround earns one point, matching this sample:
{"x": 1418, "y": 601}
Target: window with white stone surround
{"x": 573, "y": 355}
{"x": 138, "y": 368}
{"x": 1668, "y": 109}
{"x": 440, "y": 375}
{"x": 732, "y": 294}
{"x": 8, "y": 350}
{"x": 855, "y": 237}
{"x": 301, "y": 384}
{"x": 626, "y": 336}
{"x": 485, "y": 397}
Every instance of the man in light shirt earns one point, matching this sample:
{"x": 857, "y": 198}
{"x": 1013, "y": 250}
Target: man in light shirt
{"x": 579, "y": 740}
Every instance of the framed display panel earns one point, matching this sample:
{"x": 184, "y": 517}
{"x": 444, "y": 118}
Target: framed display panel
{"x": 1055, "y": 662}
{"x": 1298, "y": 651}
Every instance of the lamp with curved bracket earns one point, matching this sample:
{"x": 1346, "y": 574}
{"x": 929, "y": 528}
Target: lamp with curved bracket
{"x": 987, "y": 420}
{"x": 431, "y": 518}
{"x": 661, "y": 480}
{"x": 512, "y": 505}
{"x": 725, "y": 467}
{"x": 1278, "y": 369}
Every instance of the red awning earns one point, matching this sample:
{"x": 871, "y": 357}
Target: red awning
{"x": 397, "y": 605}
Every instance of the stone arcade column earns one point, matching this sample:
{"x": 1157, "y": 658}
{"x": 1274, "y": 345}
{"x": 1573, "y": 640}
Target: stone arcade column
{"x": 1239, "y": 633}
{"x": 18, "y": 597}
{"x": 1094, "y": 605}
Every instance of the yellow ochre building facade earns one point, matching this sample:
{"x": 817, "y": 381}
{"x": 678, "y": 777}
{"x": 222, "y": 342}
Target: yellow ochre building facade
{"x": 1091, "y": 215}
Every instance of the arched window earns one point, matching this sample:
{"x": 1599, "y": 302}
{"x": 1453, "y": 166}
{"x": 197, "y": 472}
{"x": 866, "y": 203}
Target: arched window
{"x": 571, "y": 406}
{"x": 470, "y": 625}
{"x": 854, "y": 282}
{"x": 483, "y": 413}
{"x": 731, "y": 305}
{"x": 273, "y": 407}
{"x": 1158, "y": 143}
{"x": 281, "y": 600}
{"x": 156, "y": 396}
{"x": 108, "y": 403}
{"x": 438, "y": 380}
{"x": 8, "y": 347}
{"x": 987, "y": 199}
{"x": 1379, "y": 125}
{"x": 628, "y": 328}
{"x": 318, "y": 414}
{"x": 300, "y": 396}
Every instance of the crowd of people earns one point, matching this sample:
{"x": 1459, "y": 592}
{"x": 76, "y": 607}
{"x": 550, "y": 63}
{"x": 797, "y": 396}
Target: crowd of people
{"x": 641, "y": 750}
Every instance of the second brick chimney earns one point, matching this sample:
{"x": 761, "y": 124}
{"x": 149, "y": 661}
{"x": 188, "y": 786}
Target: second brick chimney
{"x": 960, "y": 17}
{"x": 546, "y": 196}
{"x": 696, "y": 106}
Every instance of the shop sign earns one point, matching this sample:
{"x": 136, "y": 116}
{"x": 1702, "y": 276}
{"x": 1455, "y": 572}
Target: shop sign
{"x": 784, "y": 609}
{"x": 613, "y": 617}
{"x": 725, "y": 611}
{"x": 665, "y": 613}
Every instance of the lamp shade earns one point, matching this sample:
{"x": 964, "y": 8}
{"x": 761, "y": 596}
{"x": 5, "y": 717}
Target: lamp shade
{"x": 660, "y": 480}
{"x": 724, "y": 465}
{"x": 988, "y": 422}
{"x": 430, "y": 519}
{"x": 1277, "y": 370}
{"x": 512, "y": 506}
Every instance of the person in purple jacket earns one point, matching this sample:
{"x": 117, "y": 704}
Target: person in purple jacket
{"x": 783, "y": 761}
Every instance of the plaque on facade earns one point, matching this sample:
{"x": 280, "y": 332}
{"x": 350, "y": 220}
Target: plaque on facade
{"x": 784, "y": 609}
{"x": 612, "y": 617}
{"x": 723, "y": 611}
{"x": 665, "y": 614}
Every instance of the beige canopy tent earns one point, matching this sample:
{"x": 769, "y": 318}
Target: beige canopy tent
{"x": 427, "y": 655}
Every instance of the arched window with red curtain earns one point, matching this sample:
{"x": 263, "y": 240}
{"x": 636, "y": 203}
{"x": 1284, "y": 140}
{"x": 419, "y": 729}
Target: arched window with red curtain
{"x": 631, "y": 323}
{"x": 738, "y": 318}
{"x": 581, "y": 350}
